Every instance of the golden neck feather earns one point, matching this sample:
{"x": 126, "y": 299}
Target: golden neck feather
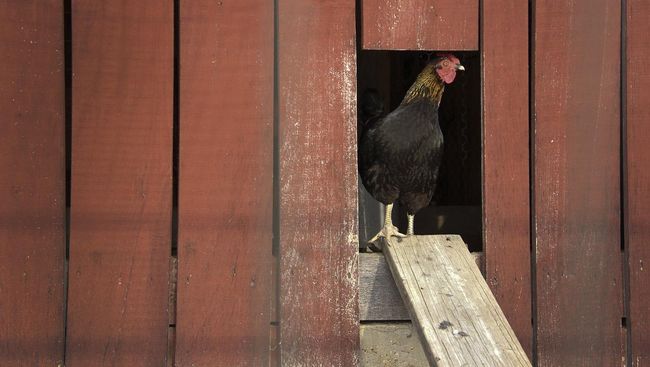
{"x": 428, "y": 85}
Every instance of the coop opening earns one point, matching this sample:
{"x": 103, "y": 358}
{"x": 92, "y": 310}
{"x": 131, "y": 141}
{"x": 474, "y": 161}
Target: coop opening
{"x": 383, "y": 79}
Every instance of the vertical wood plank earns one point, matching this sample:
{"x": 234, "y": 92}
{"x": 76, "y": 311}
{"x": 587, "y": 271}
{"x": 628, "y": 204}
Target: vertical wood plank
{"x": 121, "y": 182}
{"x": 32, "y": 183}
{"x": 226, "y": 177}
{"x": 506, "y": 195}
{"x": 577, "y": 182}
{"x": 638, "y": 177}
{"x": 319, "y": 316}
{"x": 420, "y": 24}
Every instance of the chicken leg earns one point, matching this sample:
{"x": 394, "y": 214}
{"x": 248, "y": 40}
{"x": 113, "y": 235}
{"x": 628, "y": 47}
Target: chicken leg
{"x": 389, "y": 229}
{"x": 409, "y": 231}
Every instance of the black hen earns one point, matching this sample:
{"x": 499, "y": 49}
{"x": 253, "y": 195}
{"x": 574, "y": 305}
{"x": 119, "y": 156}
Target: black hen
{"x": 399, "y": 155}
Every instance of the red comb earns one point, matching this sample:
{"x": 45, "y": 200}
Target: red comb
{"x": 448, "y": 56}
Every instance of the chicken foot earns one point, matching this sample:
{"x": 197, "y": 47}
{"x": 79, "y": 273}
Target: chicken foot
{"x": 388, "y": 230}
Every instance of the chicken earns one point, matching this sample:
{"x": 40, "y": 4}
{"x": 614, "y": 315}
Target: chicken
{"x": 400, "y": 154}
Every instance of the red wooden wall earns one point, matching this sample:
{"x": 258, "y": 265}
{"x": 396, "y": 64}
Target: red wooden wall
{"x": 579, "y": 279}
{"x": 420, "y": 24}
{"x": 319, "y": 313}
{"x": 506, "y": 192}
{"x": 120, "y": 213}
{"x": 264, "y": 98}
{"x": 32, "y": 183}
{"x": 226, "y": 195}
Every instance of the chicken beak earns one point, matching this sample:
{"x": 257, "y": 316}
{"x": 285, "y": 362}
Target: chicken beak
{"x": 460, "y": 67}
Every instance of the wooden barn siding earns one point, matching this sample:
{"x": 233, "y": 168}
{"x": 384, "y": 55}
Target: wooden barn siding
{"x": 577, "y": 183}
{"x": 319, "y": 316}
{"x": 506, "y": 182}
{"x": 637, "y": 196}
{"x": 32, "y": 183}
{"x": 121, "y": 182}
{"x": 578, "y": 286}
{"x": 225, "y": 191}
{"x": 420, "y": 24}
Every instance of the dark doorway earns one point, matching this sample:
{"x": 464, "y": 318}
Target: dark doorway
{"x": 456, "y": 207}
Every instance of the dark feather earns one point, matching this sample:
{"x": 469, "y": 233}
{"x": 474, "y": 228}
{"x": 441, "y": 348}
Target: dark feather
{"x": 400, "y": 154}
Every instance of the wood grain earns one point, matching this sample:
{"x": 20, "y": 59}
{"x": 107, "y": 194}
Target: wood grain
{"x": 120, "y": 226}
{"x": 225, "y": 191}
{"x": 420, "y": 24}
{"x": 32, "y": 183}
{"x": 379, "y": 298}
{"x": 637, "y": 194}
{"x": 319, "y": 312}
{"x": 506, "y": 182}
{"x": 577, "y": 183}
{"x": 457, "y": 317}
{"x": 391, "y": 345}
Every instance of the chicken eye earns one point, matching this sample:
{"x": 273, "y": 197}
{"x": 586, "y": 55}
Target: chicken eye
{"x": 445, "y": 63}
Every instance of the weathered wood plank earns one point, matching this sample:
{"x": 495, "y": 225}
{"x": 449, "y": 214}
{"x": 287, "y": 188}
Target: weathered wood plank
{"x": 577, "y": 182}
{"x": 319, "y": 314}
{"x": 420, "y": 24}
{"x": 379, "y": 298}
{"x": 637, "y": 213}
{"x": 452, "y": 308}
{"x": 120, "y": 230}
{"x": 506, "y": 181}
{"x": 32, "y": 183}
{"x": 225, "y": 191}
{"x": 391, "y": 345}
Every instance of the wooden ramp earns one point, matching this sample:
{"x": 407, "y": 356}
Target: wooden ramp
{"x": 454, "y": 312}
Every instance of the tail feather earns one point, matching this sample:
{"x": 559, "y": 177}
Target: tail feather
{"x": 371, "y": 110}
{"x": 372, "y": 104}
